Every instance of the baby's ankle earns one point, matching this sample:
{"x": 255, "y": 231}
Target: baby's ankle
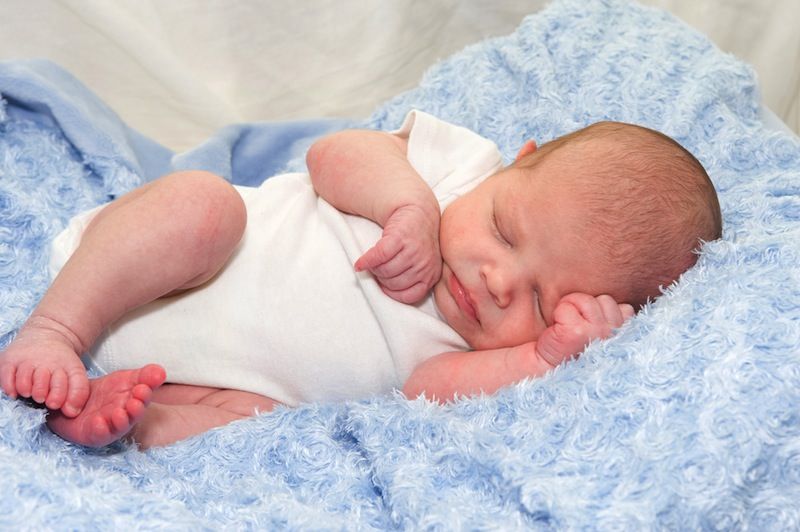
{"x": 40, "y": 326}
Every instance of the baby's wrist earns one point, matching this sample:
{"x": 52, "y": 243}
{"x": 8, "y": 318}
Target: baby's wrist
{"x": 419, "y": 198}
{"x": 526, "y": 358}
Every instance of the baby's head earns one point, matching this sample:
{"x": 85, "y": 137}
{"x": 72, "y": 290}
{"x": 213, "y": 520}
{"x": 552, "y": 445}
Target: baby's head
{"x": 610, "y": 209}
{"x": 647, "y": 203}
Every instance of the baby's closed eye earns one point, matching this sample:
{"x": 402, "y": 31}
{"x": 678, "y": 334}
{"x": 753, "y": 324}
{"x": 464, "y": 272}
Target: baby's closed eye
{"x": 497, "y": 229}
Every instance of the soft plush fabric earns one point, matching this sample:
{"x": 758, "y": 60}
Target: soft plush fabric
{"x": 687, "y": 418}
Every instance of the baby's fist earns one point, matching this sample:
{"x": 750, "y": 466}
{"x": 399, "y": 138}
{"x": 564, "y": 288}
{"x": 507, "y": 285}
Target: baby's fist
{"x": 406, "y": 261}
{"x": 578, "y": 319}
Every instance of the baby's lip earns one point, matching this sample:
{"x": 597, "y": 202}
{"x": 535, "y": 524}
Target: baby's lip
{"x": 461, "y": 297}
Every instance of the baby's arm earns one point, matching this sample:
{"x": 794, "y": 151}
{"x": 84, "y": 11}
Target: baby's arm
{"x": 367, "y": 173}
{"x": 578, "y": 319}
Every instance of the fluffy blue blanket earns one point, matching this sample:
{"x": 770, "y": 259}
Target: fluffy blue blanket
{"x": 688, "y": 418}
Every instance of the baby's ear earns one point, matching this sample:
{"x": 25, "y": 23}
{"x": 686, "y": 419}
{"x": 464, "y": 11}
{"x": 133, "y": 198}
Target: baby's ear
{"x": 526, "y": 149}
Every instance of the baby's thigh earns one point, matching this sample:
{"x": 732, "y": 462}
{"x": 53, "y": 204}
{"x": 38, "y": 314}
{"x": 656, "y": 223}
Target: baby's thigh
{"x": 240, "y": 402}
{"x": 236, "y": 401}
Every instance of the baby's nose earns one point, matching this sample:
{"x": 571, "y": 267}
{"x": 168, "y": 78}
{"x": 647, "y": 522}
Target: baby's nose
{"x": 498, "y": 284}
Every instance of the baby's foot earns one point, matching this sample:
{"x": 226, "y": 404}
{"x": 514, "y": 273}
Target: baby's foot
{"x": 116, "y": 403}
{"x": 42, "y": 363}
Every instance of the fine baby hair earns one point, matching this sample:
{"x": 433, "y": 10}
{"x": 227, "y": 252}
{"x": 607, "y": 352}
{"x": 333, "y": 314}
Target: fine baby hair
{"x": 649, "y": 203}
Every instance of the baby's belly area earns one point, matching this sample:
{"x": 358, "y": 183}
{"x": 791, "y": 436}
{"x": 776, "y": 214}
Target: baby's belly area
{"x": 296, "y": 367}
{"x": 295, "y": 330}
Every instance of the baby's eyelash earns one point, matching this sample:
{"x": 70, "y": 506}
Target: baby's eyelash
{"x": 538, "y": 302}
{"x": 496, "y": 229}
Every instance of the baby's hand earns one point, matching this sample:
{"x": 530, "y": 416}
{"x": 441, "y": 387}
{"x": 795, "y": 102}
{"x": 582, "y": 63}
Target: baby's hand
{"x": 406, "y": 261}
{"x": 579, "y": 319}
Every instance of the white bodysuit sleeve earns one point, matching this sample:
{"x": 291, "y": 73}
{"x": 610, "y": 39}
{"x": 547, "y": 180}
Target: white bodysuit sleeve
{"x": 451, "y": 159}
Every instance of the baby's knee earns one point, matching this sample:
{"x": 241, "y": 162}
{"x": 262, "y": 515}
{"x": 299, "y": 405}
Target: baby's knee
{"x": 217, "y": 207}
{"x": 208, "y": 217}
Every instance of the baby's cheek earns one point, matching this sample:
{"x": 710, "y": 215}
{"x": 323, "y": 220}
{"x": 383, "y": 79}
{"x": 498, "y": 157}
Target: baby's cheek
{"x": 530, "y": 332}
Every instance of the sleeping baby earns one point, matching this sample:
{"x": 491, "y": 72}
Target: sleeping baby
{"x": 411, "y": 259}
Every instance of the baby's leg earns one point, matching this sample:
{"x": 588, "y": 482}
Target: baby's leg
{"x": 120, "y": 404}
{"x": 180, "y": 411}
{"x": 172, "y": 234}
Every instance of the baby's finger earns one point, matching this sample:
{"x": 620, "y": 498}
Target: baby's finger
{"x": 627, "y": 311}
{"x": 383, "y": 251}
{"x": 403, "y": 281}
{"x": 8, "y": 373}
{"x": 588, "y": 306}
{"x": 567, "y": 312}
{"x": 395, "y": 268}
{"x": 410, "y": 295}
{"x": 611, "y": 310}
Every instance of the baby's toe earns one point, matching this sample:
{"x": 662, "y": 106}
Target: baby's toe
{"x": 58, "y": 390}
{"x": 8, "y": 379}
{"x": 24, "y": 379}
{"x": 135, "y": 409}
{"x": 142, "y": 393}
{"x": 41, "y": 384}
{"x": 120, "y": 420}
{"x": 100, "y": 431}
{"x": 152, "y": 375}
{"x": 77, "y": 393}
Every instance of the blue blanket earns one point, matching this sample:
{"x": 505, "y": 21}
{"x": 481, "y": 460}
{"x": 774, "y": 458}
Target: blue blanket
{"x": 687, "y": 418}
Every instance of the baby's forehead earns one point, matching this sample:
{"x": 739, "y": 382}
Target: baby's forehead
{"x": 533, "y": 199}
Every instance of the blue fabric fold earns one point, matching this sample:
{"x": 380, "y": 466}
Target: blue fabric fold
{"x": 245, "y": 154}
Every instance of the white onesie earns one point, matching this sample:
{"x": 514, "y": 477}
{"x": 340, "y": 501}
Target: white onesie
{"x": 288, "y": 317}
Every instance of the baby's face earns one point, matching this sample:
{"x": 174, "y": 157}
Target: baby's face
{"x": 511, "y": 249}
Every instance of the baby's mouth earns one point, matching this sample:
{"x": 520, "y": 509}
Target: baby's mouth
{"x": 461, "y": 297}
